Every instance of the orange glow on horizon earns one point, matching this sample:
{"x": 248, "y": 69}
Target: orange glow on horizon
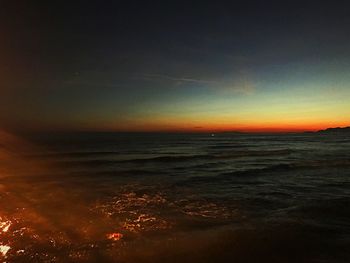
{"x": 222, "y": 127}
{"x": 189, "y": 124}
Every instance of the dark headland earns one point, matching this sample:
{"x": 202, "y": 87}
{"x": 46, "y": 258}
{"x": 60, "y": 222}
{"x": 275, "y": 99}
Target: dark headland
{"x": 336, "y": 130}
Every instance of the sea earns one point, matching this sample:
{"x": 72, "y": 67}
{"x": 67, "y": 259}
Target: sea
{"x": 175, "y": 197}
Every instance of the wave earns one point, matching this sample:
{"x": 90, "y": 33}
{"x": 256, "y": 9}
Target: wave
{"x": 83, "y": 154}
{"x": 228, "y": 176}
{"x": 272, "y": 170}
{"x": 228, "y": 146}
{"x": 180, "y": 158}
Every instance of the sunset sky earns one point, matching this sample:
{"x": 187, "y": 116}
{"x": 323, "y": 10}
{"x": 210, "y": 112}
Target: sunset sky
{"x": 123, "y": 66}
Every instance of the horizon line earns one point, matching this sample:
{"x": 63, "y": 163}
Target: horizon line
{"x": 271, "y": 130}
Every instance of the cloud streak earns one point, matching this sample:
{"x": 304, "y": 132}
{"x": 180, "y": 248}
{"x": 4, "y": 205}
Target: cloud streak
{"x": 178, "y": 79}
{"x": 240, "y": 84}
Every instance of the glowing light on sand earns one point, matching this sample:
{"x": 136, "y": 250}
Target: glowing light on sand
{"x": 4, "y": 249}
{"x": 115, "y": 236}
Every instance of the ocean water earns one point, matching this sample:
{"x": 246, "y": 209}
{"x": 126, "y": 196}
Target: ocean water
{"x": 115, "y": 197}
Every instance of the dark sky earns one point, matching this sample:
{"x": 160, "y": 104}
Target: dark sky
{"x": 127, "y": 65}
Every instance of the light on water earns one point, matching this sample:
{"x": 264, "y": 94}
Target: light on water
{"x": 115, "y": 236}
{"x": 4, "y": 249}
{"x": 4, "y": 225}
{"x": 224, "y": 196}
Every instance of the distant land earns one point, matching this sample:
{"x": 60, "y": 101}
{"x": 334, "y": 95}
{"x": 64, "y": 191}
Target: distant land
{"x": 335, "y": 130}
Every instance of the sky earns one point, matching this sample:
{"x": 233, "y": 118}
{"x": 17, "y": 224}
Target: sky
{"x": 174, "y": 66}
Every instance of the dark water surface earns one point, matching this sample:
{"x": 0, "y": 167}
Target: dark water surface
{"x": 110, "y": 197}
